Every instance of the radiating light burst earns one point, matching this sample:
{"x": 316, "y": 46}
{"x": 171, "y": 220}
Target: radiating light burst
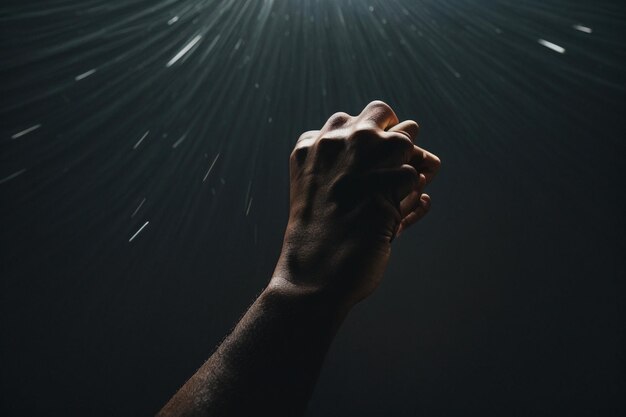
{"x": 144, "y": 99}
{"x": 144, "y": 184}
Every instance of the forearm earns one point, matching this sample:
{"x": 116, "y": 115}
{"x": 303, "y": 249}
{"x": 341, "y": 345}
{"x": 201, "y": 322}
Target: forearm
{"x": 269, "y": 363}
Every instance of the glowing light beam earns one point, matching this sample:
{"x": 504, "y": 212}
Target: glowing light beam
{"x": 553, "y": 46}
{"x": 183, "y": 51}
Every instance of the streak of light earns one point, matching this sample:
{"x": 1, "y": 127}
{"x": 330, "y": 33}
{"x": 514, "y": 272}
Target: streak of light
{"x": 249, "y": 205}
{"x": 179, "y": 141}
{"x": 583, "y": 28}
{"x": 138, "y": 208}
{"x": 85, "y": 75}
{"x": 10, "y": 177}
{"x": 25, "y": 131}
{"x": 211, "y": 167}
{"x": 552, "y": 46}
{"x": 183, "y": 51}
{"x": 141, "y": 140}
{"x": 138, "y": 231}
{"x": 172, "y": 20}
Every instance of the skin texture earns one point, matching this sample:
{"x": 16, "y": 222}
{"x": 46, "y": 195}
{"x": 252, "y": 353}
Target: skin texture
{"x": 356, "y": 184}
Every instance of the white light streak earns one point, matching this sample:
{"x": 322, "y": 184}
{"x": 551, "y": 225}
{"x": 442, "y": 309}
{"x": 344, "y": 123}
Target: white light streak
{"x": 172, "y": 20}
{"x": 85, "y": 75}
{"x": 25, "y": 131}
{"x": 211, "y": 168}
{"x": 141, "y": 140}
{"x": 179, "y": 141}
{"x": 138, "y": 231}
{"x": 137, "y": 209}
{"x": 582, "y": 28}
{"x": 552, "y": 46}
{"x": 249, "y": 205}
{"x": 183, "y": 51}
{"x": 10, "y": 177}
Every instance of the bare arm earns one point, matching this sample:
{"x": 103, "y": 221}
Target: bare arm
{"x": 268, "y": 364}
{"x": 355, "y": 185}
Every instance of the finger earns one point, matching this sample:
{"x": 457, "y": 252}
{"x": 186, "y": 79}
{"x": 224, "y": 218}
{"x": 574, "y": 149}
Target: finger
{"x": 380, "y": 113}
{"x": 397, "y": 183}
{"x": 408, "y": 127}
{"x": 395, "y": 150}
{"x": 425, "y": 162}
{"x": 412, "y": 201}
{"x": 416, "y": 215}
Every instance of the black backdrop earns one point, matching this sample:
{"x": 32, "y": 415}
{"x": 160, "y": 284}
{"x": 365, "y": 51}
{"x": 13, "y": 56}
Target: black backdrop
{"x": 178, "y": 117}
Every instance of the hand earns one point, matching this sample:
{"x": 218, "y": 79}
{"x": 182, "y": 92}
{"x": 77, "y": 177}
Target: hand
{"x": 355, "y": 185}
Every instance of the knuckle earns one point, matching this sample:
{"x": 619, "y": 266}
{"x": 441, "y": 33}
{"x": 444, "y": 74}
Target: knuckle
{"x": 411, "y": 128}
{"x": 299, "y": 154}
{"x": 338, "y": 119}
{"x": 396, "y": 148}
{"x": 412, "y": 124}
{"x": 364, "y": 130}
{"x": 380, "y": 112}
{"x": 410, "y": 173}
{"x": 414, "y": 174}
{"x": 379, "y": 104}
{"x": 401, "y": 141}
{"x": 329, "y": 143}
{"x": 325, "y": 141}
{"x": 309, "y": 134}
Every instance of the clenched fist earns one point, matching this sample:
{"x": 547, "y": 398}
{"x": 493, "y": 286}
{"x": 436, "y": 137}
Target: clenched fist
{"x": 355, "y": 185}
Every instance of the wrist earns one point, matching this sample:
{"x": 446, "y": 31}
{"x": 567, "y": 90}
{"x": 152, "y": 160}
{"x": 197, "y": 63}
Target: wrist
{"x": 315, "y": 300}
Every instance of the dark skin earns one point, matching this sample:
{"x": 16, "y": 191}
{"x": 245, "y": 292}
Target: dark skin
{"x": 356, "y": 184}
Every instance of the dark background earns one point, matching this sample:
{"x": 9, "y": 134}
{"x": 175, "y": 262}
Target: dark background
{"x": 508, "y": 299}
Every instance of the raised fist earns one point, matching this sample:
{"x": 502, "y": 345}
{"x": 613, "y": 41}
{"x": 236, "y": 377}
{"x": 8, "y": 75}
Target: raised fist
{"x": 355, "y": 185}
